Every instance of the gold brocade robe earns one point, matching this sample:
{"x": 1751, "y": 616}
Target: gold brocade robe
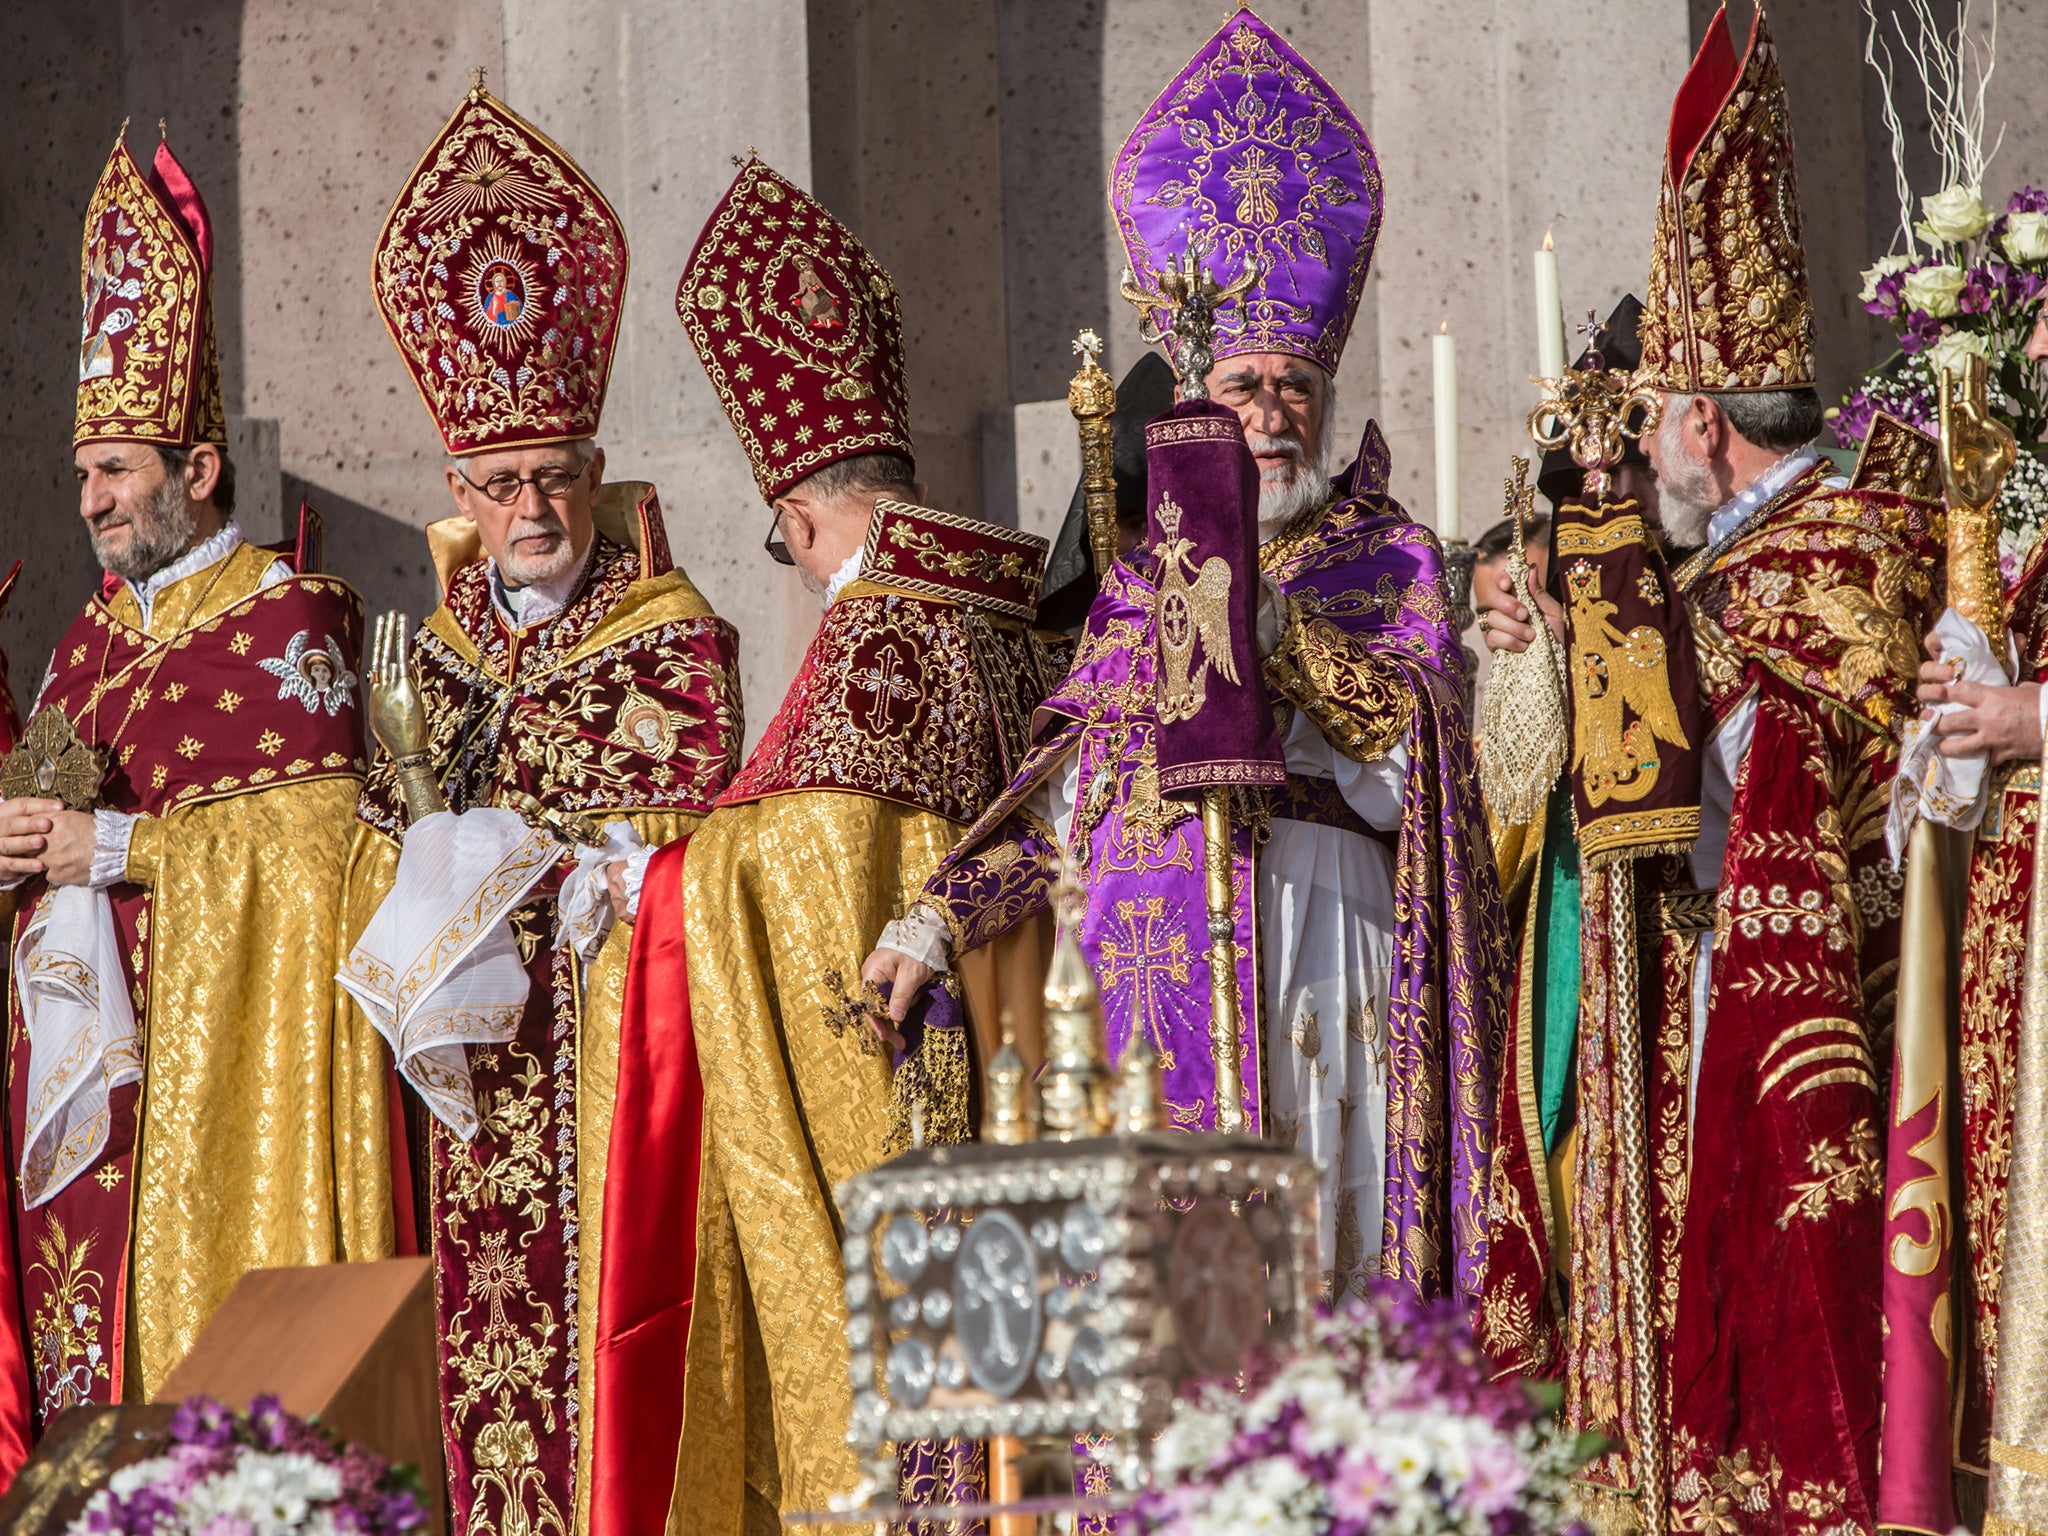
{"x": 624, "y": 705}
{"x": 252, "y": 1141}
{"x": 886, "y": 747}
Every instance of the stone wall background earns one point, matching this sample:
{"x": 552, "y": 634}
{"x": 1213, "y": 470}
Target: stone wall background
{"x": 966, "y": 141}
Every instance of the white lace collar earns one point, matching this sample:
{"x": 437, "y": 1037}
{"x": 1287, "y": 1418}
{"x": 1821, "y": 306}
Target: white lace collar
{"x": 194, "y": 560}
{"x": 1737, "y": 508}
{"x": 844, "y": 575}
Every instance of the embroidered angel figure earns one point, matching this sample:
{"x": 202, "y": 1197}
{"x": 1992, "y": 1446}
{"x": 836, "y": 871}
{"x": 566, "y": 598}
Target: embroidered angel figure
{"x": 314, "y": 675}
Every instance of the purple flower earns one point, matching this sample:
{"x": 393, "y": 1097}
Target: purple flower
{"x": 202, "y": 1421}
{"x": 2028, "y": 200}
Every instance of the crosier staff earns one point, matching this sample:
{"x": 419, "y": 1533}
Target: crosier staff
{"x": 1191, "y": 298}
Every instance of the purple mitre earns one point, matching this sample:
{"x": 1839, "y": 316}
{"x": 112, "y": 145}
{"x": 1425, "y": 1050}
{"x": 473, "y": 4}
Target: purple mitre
{"x": 1250, "y": 153}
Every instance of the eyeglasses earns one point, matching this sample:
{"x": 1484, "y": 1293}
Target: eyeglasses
{"x": 777, "y": 550}
{"x": 552, "y": 482}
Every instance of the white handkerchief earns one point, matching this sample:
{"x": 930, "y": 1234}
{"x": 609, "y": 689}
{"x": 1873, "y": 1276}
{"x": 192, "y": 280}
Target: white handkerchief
{"x": 1950, "y": 790}
{"x": 585, "y": 906}
{"x": 438, "y": 969}
{"x": 82, "y": 1040}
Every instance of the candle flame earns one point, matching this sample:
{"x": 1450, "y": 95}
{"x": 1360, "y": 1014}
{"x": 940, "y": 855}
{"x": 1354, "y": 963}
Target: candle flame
{"x": 1548, "y": 244}
{"x": 1445, "y": 328}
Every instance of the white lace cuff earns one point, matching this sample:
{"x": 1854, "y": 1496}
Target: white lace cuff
{"x": 585, "y": 904}
{"x": 921, "y": 934}
{"x": 636, "y": 872}
{"x": 111, "y": 833}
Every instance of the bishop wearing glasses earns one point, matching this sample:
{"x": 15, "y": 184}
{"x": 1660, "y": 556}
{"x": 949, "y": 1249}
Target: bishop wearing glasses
{"x": 909, "y": 712}
{"x": 571, "y": 705}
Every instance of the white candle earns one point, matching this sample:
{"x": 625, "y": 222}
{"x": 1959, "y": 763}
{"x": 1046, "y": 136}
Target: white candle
{"x": 1444, "y": 352}
{"x": 1549, "y": 315}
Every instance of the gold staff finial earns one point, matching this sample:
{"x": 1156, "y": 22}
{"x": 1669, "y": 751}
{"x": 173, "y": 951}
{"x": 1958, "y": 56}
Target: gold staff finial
{"x": 476, "y": 82}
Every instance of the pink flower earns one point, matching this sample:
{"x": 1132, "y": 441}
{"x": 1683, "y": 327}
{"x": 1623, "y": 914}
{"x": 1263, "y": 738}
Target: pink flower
{"x": 1498, "y": 1476}
{"x": 1358, "y": 1490}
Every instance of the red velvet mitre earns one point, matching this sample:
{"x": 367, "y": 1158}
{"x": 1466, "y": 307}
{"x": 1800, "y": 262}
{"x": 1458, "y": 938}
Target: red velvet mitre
{"x": 148, "y": 370}
{"x": 1729, "y": 307}
{"x": 501, "y": 274}
{"x": 798, "y": 328}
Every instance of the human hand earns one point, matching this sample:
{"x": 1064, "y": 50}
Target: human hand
{"x": 2004, "y": 723}
{"x": 1506, "y": 625}
{"x": 24, "y": 834}
{"x": 905, "y": 978}
{"x": 67, "y": 848}
{"x": 615, "y": 887}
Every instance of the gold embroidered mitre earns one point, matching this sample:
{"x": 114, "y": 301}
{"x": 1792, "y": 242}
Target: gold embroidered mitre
{"x": 501, "y": 274}
{"x": 148, "y": 371}
{"x": 1729, "y": 306}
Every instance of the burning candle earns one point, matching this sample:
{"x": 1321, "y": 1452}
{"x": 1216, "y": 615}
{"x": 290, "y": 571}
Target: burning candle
{"x": 1444, "y": 353}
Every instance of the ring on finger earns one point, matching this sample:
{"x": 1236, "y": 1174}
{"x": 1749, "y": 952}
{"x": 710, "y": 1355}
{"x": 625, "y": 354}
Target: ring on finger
{"x": 1485, "y": 620}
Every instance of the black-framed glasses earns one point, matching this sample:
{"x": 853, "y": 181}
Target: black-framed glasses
{"x": 551, "y": 481}
{"x": 777, "y": 550}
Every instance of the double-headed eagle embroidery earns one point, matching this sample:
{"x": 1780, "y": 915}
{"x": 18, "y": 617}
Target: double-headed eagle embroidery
{"x": 1616, "y": 676}
{"x": 1193, "y": 621}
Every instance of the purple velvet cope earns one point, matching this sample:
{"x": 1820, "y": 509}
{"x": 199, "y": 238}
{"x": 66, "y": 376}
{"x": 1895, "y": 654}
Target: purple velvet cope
{"x": 1377, "y": 579}
{"x": 1249, "y": 155}
{"x": 1214, "y": 718}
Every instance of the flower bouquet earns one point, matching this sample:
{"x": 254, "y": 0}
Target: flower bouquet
{"x": 1385, "y": 1419}
{"x": 263, "y": 1473}
{"x": 1964, "y": 279}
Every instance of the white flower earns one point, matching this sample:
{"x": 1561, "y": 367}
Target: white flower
{"x": 1935, "y": 290}
{"x": 1953, "y": 348}
{"x": 1952, "y": 215}
{"x": 1886, "y": 266}
{"x": 2026, "y": 236}
{"x": 1192, "y": 1440}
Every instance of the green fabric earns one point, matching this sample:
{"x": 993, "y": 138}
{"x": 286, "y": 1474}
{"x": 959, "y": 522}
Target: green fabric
{"x": 1555, "y": 1013}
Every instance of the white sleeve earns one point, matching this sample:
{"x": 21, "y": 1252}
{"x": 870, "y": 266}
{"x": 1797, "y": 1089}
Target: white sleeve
{"x": 636, "y": 874}
{"x": 1726, "y": 749}
{"x": 277, "y": 572}
{"x": 112, "y": 831}
{"x": 1053, "y": 801}
{"x": 921, "y": 934}
{"x": 1375, "y": 790}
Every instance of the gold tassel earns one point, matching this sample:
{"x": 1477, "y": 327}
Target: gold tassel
{"x": 1522, "y": 731}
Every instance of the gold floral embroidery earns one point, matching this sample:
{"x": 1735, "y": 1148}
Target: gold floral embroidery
{"x": 1843, "y": 1173}
{"x": 68, "y": 1358}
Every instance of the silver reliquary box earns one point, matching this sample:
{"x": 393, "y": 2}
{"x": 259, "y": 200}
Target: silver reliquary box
{"x": 1061, "y": 1289}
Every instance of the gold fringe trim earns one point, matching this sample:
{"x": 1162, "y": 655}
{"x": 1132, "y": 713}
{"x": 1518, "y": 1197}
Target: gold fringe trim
{"x": 1608, "y": 858}
{"x": 938, "y": 1076}
{"x": 1605, "y": 1511}
{"x": 2000, "y": 1525}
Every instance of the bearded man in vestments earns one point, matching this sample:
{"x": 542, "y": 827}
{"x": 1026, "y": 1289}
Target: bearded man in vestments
{"x": 181, "y": 1109}
{"x": 1372, "y": 951}
{"x": 1732, "y": 1345}
{"x": 906, "y": 714}
{"x": 571, "y": 705}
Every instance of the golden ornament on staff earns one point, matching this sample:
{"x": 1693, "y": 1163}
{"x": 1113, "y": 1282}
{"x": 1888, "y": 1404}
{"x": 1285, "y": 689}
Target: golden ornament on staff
{"x": 1091, "y": 396}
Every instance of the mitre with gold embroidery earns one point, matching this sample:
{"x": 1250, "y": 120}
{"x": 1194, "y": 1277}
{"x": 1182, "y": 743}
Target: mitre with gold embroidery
{"x": 798, "y": 329}
{"x": 501, "y": 273}
{"x": 148, "y": 370}
{"x": 1252, "y": 159}
{"x": 1729, "y": 307}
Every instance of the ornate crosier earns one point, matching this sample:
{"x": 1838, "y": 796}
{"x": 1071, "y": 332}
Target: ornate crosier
{"x": 1091, "y": 396}
{"x": 398, "y": 718}
{"x": 1191, "y": 299}
{"x": 1976, "y": 451}
{"x": 1591, "y": 409}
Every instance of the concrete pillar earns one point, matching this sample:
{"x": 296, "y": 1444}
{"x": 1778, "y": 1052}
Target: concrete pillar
{"x": 654, "y": 113}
